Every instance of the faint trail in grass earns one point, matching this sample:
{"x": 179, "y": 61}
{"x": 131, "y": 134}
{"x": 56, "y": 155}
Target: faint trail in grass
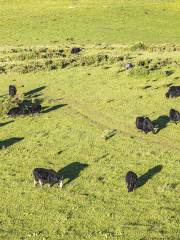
{"x": 92, "y": 115}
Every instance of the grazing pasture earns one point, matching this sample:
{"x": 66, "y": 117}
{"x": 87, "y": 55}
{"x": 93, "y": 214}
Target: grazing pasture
{"x": 86, "y": 131}
{"x": 84, "y": 127}
{"x": 89, "y": 21}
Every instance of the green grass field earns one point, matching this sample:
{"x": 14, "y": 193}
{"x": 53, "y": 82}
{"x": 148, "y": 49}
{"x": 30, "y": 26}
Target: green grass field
{"x": 89, "y": 21}
{"x": 86, "y": 130}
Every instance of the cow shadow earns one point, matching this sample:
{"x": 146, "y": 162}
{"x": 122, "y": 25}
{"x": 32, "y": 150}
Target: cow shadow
{"x": 8, "y": 142}
{"x": 50, "y": 109}
{"x": 161, "y": 122}
{"x": 143, "y": 179}
{"x": 3, "y": 124}
{"x": 72, "y": 171}
{"x": 36, "y": 90}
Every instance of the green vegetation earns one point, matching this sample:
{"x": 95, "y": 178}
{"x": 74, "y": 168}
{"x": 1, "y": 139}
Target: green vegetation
{"x": 86, "y": 130}
{"x": 89, "y": 118}
{"x": 89, "y": 21}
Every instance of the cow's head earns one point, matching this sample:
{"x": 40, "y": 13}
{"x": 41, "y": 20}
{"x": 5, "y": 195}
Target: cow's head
{"x": 130, "y": 188}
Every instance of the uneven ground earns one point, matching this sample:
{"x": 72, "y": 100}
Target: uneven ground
{"x": 86, "y": 130}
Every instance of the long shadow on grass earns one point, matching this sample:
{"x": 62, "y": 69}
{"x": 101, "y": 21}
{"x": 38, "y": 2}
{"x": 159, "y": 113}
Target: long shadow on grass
{"x": 8, "y": 142}
{"x": 3, "y": 124}
{"x": 148, "y": 175}
{"x": 53, "y": 108}
{"x": 36, "y": 90}
{"x": 161, "y": 122}
{"x": 72, "y": 171}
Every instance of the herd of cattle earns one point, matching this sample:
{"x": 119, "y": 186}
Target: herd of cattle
{"x": 146, "y": 125}
{"x": 22, "y": 109}
{"x": 43, "y": 175}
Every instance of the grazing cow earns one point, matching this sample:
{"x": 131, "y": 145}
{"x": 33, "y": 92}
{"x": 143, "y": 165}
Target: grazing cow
{"x": 139, "y": 122}
{"x": 43, "y": 176}
{"x": 75, "y": 50}
{"x": 35, "y": 108}
{"x": 148, "y": 126}
{"x": 174, "y": 91}
{"x": 144, "y": 124}
{"x": 131, "y": 181}
{"x": 12, "y": 90}
{"x": 174, "y": 116}
{"x": 128, "y": 66}
{"x": 13, "y": 112}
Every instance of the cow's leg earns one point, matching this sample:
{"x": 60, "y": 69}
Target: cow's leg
{"x": 40, "y": 183}
{"x": 35, "y": 183}
{"x": 61, "y": 184}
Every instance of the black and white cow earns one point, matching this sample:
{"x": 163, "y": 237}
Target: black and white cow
{"x": 49, "y": 176}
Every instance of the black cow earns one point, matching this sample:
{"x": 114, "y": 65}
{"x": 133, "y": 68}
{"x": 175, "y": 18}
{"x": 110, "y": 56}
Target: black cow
{"x": 35, "y": 108}
{"x": 131, "y": 181}
{"x": 174, "y": 91}
{"x": 43, "y": 176}
{"x": 148, "y": 126}
{"x": 174, "y": 116}
{"x": 75, "y": 50}
{"x": 139, "y": 122}
{"x": 144, "y": 124}
{"x": 13, "y": 112}
{"x": 12, "y": 90}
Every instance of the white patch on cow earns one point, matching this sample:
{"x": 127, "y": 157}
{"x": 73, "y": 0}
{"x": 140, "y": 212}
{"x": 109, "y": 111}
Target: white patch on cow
{"x": 61, "y": 183}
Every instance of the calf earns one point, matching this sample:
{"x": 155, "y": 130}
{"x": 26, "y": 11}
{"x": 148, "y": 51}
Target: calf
{"x": 12, "y": 90}
{"x": 131, "y": 181}
{"x": 42, "y": 176}
{"x": 174, "y": 91}
{"x": 174, "y": 116}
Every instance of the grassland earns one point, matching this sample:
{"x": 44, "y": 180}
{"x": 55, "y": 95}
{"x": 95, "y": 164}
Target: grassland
{"x": 115, "y": 21}
{"x": 86, "y": 130}
{"x": 81, "y": 105}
